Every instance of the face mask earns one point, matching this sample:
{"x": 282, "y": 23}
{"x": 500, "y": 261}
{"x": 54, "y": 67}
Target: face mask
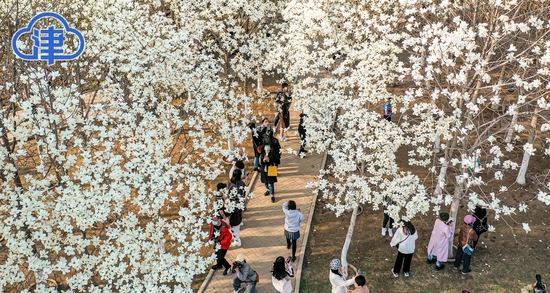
{"x": 267, "y": 148}
{"x": 215, "y": 223}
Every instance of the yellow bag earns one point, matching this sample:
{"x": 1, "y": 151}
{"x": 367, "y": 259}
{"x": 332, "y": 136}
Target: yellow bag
{"x": 272, "y": 171}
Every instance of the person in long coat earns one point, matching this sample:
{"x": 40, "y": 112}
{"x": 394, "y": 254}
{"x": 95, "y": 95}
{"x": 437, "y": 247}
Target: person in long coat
{"x": 270, "y": 156}
{"x": 480, "y": 225}
{"x": 440, "y": 241}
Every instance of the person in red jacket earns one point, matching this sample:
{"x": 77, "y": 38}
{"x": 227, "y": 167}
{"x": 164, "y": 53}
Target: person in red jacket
{"x": 220, "y": 234}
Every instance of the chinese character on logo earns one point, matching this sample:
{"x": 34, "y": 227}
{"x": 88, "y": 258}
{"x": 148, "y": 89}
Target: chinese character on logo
{"x": 48, "y": 43}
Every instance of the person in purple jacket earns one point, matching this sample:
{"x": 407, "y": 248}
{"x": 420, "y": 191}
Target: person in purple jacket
{"x": 438, "y": 247}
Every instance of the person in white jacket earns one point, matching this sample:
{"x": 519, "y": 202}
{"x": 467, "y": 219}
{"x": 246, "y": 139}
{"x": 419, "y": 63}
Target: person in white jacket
{"x": 404, "y": 238}
{"x": 293, "y": 218}
{"x": 280, "y": 275}
{"x": 337, "y": 279}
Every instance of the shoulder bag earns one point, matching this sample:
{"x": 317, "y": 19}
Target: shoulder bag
{"x": 467, "y": 248}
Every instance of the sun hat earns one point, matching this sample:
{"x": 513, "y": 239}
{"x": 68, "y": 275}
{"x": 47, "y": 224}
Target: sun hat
{"x": 469, "y": 219}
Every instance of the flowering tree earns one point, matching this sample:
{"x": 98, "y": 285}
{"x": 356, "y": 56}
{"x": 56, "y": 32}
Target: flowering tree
{"x": 105, "y": 160}
{"x": 236, "y": 37}
{"x": 478, "y": 69}
{"x": 342, "y": 61}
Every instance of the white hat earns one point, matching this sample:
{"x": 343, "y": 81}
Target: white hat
{"x": 240, "y": 258}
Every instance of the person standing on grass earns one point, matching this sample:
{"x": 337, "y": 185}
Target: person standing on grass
{"x": 270, "y": 156}
{"x": 467, "y": 236}
{"x": 480, "y": 225}
{"x": 219, "y": 233}
{"x": 283, "y": 101}
{"x": 387, "y": 109}
{"x": 404, "y": 238}
{"x": 386, "y": 203}
{"x": 336, "y": 276}
{"x": 360, "y": 285}
{"x": 439, "y": 241}
{"x": 293, "y": 218}
{"x": 281, "y": 273}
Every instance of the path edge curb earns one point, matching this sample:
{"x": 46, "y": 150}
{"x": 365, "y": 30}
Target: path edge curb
{"x": 298, "y": 274}
{"x": 208, "y": 278}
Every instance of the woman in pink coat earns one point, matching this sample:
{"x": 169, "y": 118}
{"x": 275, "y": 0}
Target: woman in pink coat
{"x": 439, "y": 241}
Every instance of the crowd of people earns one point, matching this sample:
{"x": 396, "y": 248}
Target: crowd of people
{"x": 404, "y": 239}
{"x": 405, "y": 236}
{"x": 231, "y": 202}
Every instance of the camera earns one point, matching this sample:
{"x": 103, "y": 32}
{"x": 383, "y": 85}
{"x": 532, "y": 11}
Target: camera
{"x": 237, "y": 265}
{"x": 539, "y": 286}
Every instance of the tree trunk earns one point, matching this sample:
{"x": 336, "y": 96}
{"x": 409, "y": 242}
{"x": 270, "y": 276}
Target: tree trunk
{"x": 437, "y": 136}
{"x": 510, "y": 132}
{"x": 526, "y": 156}
{"x": 441, "y": 178}
{"x": 348, "y": 240}
{"x": 443, "y": 171}
{"x": 260, "y": 88}
{"x": 455, "y": 204}
{"x": 42, "y": 156}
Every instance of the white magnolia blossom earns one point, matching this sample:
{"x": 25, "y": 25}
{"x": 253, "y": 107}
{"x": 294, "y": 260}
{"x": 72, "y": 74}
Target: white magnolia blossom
{"x": 106, "y": 160}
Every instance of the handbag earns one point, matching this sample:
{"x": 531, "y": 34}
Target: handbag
{"x": 480, "y": 228}
{"x": 272, "y": 171}
{"x": 467, "y": 248}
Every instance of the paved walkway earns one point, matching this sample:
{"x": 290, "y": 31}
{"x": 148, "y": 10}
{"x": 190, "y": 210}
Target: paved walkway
{"x": 262, "y": 233}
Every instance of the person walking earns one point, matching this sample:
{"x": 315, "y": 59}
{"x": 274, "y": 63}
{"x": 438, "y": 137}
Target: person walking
{"x": 281, "y": 273}
{"x": 271, "y": 156}
{"x": 302, "y": 133}
{"x": 258, "y": 134}
{"x": 467, "y": 236}
{"x": 237, "y": 191}
{"x": 245, "y": 274}
{"x": 438, "y": 247}
{"x": 239, "y": 165}
{"x": 404, "y": 238}
{"x": 336, "y": 276}
{"x": 283, "y": 101}
{"x": 480, "y": 225}
{"x": 220, "y": 202}
{"x": 219, "y": 233}
{"x": 360, "y": 285}
{"x": 237, "y": 188}
{"x": 293, "y": 218}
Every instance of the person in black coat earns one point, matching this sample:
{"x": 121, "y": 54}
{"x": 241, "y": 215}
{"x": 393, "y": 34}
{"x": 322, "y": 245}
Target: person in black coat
{"x": 270, "y": 156}
{"x": 480, "y": 225}
{"x": 258, "y": 134}
{"x": 302, "y": 132}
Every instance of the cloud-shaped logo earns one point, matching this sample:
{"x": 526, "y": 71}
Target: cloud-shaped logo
{"x": 48, "y": 43}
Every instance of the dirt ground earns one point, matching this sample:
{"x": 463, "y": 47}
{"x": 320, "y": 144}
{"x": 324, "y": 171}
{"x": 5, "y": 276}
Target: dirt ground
{"x": 504, "y": 261}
